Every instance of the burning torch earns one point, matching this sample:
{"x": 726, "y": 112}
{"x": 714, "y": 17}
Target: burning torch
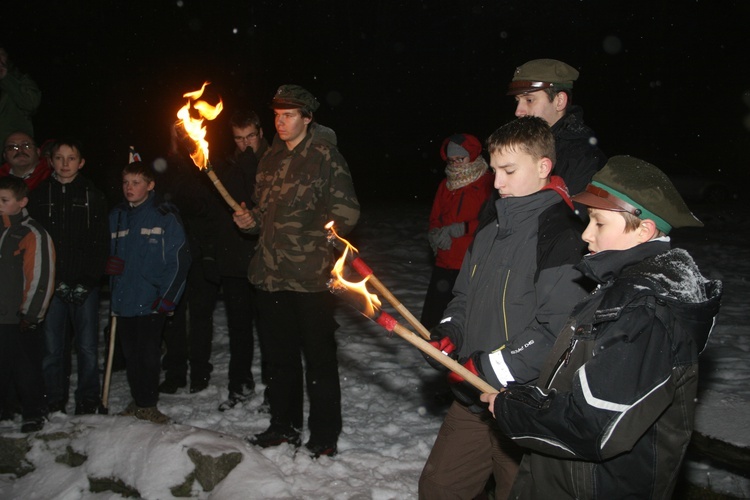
{"x": 364, "y": 270}
{"x": 191, "y": 128}
{"x": 369, "y": 305}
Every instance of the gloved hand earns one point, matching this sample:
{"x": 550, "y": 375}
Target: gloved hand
{"x": 63, "y": 292}
{"x": 79, "y": 294}
{"x": 432, "y": 237}
{"x": 473, "y": 364}
{"x": 444, "y": 240}
{"x": 456, "y": 230}
{"x": 27, "y": 325}
{"x": 163, "y": 306}
{"x": 115, "y": 266}
{"x": 445, "y": 338}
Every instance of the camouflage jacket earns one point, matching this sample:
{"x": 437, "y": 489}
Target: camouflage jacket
{"x": 296, "y": 193}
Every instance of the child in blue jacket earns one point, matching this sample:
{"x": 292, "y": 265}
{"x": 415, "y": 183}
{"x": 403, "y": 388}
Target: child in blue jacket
{"x": 148, "y": 264}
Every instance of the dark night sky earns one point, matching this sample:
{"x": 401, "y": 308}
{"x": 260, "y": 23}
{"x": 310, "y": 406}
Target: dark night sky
{"x": 670, "y": 84}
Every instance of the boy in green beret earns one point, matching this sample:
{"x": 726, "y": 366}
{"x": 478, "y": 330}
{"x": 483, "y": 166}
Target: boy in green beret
{"x": 613, "y": 409}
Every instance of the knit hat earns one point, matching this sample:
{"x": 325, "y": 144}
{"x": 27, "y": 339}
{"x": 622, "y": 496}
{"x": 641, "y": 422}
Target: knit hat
{"x": 468, "y": 146}
{"x": 627, "y": 184}
{"x": 542, "y": 74}
{"x": 293, "y": 97}
{"x": 454, "y": 149}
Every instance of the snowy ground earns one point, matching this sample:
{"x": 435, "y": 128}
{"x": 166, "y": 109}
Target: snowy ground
{"x": 391, "y": 416}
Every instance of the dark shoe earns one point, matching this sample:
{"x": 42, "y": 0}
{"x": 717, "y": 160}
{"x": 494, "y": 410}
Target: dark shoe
{"x": 198, "y": 385}
{"x": 319, "y": 449}
{"x": 170, "y": 386}
{"x": 32, "y": 425}
{"x": 56, "y": 406}
{"x": 233, "y": 400}
{"x": 275, "y": 436}
{"x": 87, "y": 407}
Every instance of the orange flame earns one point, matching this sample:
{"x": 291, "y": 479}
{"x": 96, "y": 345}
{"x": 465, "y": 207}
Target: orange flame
{"x": 194, "y": 127}
{"x": 338, "y": 282}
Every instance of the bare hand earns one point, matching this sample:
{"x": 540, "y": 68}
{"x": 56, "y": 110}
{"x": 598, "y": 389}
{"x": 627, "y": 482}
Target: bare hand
{"x": 489, "y": 398}
{"x": 243, "y": 219}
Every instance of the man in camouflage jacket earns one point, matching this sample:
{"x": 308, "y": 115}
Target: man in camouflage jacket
{"x": 302, "y": 183}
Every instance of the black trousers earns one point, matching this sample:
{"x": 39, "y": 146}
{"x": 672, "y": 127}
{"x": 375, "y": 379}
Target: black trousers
{"x": 140, "y": 337}
{"x": 21, "y": 356}
{"x": 293, "y": 325}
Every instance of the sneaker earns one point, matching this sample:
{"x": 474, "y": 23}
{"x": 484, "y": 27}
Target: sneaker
{"x": 233, "y": 400}
{"x": 129, "y": 410}
{"x": 318, "y": 450}
{"x": 275, "y": 436}
{"x": 170, "y": 386}
{"x": 152, "y": 414}
{"x": 87, "y": 407}
{"x": 32, "y": 425}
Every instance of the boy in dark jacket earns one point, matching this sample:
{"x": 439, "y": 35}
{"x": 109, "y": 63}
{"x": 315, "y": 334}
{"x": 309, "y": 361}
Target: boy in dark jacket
{"x": 148, "y": 264}
{"x": 514, "y": 291}
{"x": 27, "y": 267}
{"x": 74, "y": 212}
{"x": 613, "y": 410}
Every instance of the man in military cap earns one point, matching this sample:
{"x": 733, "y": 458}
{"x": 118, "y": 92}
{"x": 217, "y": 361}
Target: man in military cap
{"x": 544, "y": 88}
{"x": 302, "y": 183}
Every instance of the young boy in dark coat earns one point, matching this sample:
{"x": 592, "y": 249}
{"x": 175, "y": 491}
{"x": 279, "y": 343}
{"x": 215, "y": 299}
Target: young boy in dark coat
{"x": 613, "y": 410}
{"x": 74, "y": 212}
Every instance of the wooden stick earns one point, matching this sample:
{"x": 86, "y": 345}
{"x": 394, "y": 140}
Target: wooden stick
{"x": 110, "y": 358}
{"x": 441, "y": 358}
{"x": 408, "y": 316}
{"x": 222, "y": 190}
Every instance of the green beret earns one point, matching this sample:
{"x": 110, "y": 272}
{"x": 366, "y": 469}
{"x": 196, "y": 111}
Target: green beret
{"x": 627, "y": 184}
{"x": 294, "y": 96}
{"x": 542, "y": 74}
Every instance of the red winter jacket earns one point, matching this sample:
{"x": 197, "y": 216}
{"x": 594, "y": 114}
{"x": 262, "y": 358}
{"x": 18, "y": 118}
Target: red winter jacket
{"x": 460, "y": 205}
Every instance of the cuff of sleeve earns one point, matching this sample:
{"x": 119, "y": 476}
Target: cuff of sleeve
{"x": 495, "y": 369}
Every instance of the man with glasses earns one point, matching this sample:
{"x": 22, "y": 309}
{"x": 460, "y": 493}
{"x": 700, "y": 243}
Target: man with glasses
{"x": 23, "y": 160}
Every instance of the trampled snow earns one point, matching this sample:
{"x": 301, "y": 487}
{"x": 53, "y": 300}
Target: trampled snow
{"x": 391, "y": 413}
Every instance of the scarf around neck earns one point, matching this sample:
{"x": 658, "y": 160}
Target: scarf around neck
{"x": 462, "y": 175}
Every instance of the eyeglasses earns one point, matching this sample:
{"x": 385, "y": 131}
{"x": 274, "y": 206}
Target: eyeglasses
{"x": 245, "y": 138}
{"x": 26, "y": 146}
{"x": 457, "y": 160}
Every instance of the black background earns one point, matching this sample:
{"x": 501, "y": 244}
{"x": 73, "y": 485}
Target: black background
{"x": 666, "y": 81}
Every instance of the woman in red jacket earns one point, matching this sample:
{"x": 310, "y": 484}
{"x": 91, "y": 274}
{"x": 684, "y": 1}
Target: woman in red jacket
{"x": 454, "y": 218}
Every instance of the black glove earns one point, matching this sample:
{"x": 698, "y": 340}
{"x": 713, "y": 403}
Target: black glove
{"x": 27, "y": 325}
{"x": 79, "y": 294}
{"x": 463, "y": 391}
{"x": 63, "y": 292}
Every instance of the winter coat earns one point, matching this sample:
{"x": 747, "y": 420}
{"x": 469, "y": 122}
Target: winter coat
{"x": 151, "y": 240}
{"x": 460, "y": 205}
{"x": 614, "y": 410}
{"x": 578, "y": 157}
{"x": 19, "y": 99}
{"x": 517, "y": 285}
{"x": 27, "y": 267}
{"x": 40, "y": 173}
{"x": 296, "y": 194}
{"x": 75, "y": 215}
